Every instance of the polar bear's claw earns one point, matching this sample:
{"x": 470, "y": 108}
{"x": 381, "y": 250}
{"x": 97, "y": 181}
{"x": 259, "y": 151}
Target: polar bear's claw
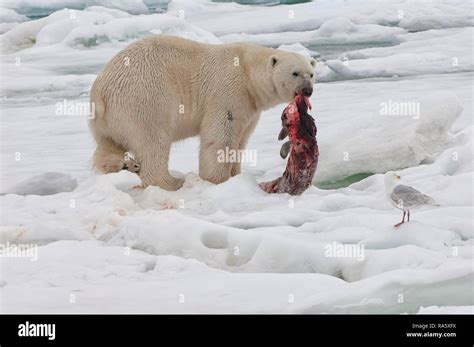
{"x": 131, "y": 165}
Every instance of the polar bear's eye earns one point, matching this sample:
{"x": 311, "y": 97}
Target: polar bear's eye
{"x": 311, "y": 75}
{"x": 295, "y": 74}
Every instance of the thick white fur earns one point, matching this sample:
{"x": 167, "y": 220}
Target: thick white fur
{"x": 163, "y": 89}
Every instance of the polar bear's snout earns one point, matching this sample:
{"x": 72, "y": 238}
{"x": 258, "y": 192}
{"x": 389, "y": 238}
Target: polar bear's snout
{"x": 307, "y": 88}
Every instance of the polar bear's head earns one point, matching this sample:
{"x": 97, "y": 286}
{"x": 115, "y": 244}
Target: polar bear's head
{"x": 291, "y": 74}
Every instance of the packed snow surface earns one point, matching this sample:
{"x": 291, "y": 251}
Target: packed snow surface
{"x": 394, "y": 92}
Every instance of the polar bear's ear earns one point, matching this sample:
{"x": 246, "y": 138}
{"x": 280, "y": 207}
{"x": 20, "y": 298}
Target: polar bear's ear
{"x": 312, "y": 61}
{"x": 273, "y": 60}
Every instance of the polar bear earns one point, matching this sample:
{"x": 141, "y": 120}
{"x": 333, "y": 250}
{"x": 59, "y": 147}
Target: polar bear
{"x": 163, "y": 89}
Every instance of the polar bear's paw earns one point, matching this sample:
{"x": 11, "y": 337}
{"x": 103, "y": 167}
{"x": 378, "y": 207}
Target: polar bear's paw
{"x": 131, "y": 165}
{"x": 167, "y": 182}
{"x": 174, "y": 184}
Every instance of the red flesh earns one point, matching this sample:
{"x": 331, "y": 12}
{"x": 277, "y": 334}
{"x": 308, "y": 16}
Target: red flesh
{"x": 303, "y": 160}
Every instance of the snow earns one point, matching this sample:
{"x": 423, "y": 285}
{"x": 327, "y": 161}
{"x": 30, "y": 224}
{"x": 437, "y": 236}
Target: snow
{"x": 299, "y": 48}
{"x": 35, "y": 6}
{"x": 9, "y": 19}
{"x": 447, "y": 310}
{"x": 433, "y": 56}
{"x": 387, "y": 142}
{"x": 94, "y": 26}
{"x": 231, "y": 247}
{"x": 339, "y": 30}
{"x": 48, "y": 183}
{"x": 407, "y": 14}
{"x": 9, "y": 16}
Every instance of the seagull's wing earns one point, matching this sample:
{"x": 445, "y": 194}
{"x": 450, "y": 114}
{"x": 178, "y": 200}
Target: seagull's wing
{"x": 403, "y": 189}
{"x": 407, "y": 196}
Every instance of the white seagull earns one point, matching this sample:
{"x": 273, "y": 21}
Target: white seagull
{"x": 404, "y": 197}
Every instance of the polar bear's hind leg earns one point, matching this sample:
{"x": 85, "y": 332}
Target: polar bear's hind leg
{"x": 154, "y": 165}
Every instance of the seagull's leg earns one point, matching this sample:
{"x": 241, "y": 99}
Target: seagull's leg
{"x": 408, "y": 212}
{"x": 403, "y": 220}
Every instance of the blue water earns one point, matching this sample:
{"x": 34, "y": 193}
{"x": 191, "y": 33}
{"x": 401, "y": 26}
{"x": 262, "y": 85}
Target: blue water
{"x": 345, "y": 182}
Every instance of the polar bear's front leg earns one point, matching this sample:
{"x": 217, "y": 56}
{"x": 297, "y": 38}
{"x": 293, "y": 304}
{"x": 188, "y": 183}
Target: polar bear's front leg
{"x": 220, "y": 140}
{"x": 214, "y": 164}
{"x": 236, "y": 167}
